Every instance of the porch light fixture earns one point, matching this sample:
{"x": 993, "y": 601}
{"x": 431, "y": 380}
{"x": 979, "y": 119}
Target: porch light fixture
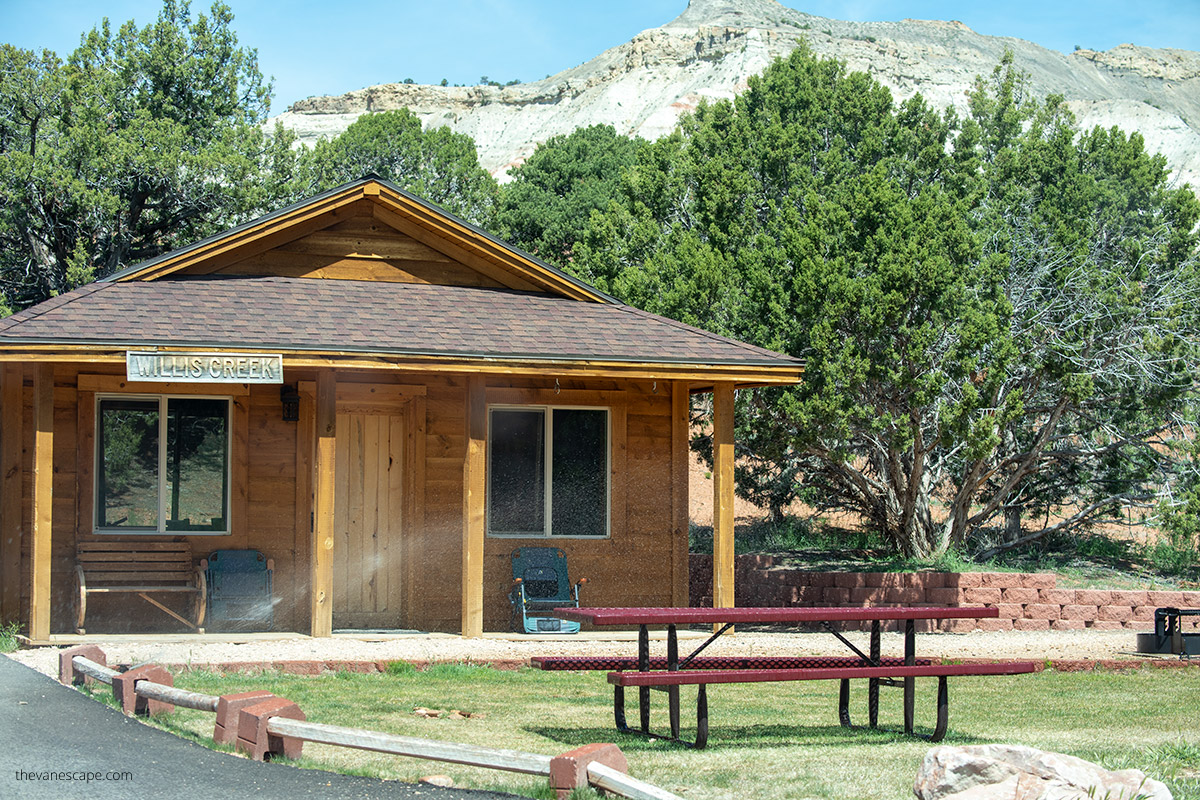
{"x": 290, "y": 398}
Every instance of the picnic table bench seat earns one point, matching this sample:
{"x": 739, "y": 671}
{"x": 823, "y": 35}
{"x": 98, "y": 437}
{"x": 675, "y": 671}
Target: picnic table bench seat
{"x": 142, "y": 568}
{"x": 620, "y": 663}
{"x": 888, "y": 672}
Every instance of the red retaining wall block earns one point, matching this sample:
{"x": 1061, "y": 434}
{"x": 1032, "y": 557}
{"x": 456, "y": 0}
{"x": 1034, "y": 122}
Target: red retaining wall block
{"x": 867, "y": 596}
{"x": 1084, "y": 613}
{"x": 66, "y": 668}
{"x": 1067, "y": 625}
{"x": 931, "y": 580}
{"x": 1038, "y": 580}
{"x": 1061, "y": 597}
{"x": 1092, "y": 597}
{"x": 229, "y": 706}
{"x": 944, "y": 596}
{"x": 568, "y": 772}
{"x": 253, "y": 738}
{"x": 1144, "y": 613}
{"x": 957, "y": 625}
{"x": 125, "y": 690}
{"x": 1115, "y": 613}
{"x": 1019, "y": 594}
{"x": 1011, "y": 610}
{"x": 1107, "y": 625}
{"x": 1128, "y": 598}
{"x": 836, "y": 596}
{"x": 1165, "y": 599}
{"x": 990, "y": 595}
{"x": 849, "y": 580}
{"x": 1031, "y": 624}
{"x": 1043, "y": 611}
{"x": 909, "y": 595}
{"x": 994, "y": 624}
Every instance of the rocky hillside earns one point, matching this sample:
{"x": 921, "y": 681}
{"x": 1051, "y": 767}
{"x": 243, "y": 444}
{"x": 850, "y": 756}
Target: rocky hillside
{"x": 709, "y": 51}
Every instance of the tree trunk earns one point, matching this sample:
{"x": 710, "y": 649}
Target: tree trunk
{"x": 1012, "y": 523}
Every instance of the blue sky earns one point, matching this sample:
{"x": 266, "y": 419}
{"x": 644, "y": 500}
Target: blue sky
{"x": 315, "y": 48}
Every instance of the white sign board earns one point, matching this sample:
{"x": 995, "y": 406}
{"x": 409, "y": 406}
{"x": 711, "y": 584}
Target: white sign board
{"x": 203, "y": 367}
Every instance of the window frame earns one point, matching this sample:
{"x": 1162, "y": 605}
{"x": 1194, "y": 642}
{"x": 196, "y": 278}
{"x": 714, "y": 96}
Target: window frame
{"x": 97, "y": 456}
{"x": 548, "y": 472}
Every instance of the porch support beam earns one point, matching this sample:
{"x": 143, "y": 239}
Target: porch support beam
{"x": 12, "y": 376}
{"x": 43, "y": 502}
{"x": 474, "y": 512}
{"x": 723, "y": 594}
{"x": 323, "y": 533}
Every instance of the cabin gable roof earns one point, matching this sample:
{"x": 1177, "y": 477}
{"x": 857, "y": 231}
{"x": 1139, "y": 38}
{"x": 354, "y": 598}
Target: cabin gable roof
{"x": 368, "y": 230}
{"x": 369, "y": 276}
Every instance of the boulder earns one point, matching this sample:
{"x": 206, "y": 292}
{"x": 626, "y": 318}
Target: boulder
{"x": 1009, "y": 772}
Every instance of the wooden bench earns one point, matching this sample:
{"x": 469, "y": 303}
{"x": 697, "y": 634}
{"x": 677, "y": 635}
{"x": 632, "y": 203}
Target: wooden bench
{"x": 888, "y": 673}
{"x": 143, "y": 568}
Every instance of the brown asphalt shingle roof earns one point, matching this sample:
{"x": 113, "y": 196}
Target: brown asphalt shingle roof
{"x": 303, "y": 314}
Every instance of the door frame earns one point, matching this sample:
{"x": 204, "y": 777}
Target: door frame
{"x": 405, "y": 400}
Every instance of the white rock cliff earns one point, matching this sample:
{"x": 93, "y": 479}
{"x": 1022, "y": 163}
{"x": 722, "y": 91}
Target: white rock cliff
{"x": 642, "y": 87}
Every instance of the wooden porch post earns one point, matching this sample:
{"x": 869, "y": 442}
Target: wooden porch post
{"x": 323, "y": 534}
{"x": 474, "y": 512}
{"x": 680, "y": 433}
{"x": 723, "y": 596}
{"x": 43, "y": 502}
{"x": 11, "y": 411}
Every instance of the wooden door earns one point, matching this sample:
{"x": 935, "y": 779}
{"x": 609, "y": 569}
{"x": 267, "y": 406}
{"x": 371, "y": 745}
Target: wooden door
{"x": 367, "y": 566}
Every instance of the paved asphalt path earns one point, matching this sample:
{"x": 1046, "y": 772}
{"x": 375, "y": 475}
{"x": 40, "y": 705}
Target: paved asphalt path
{"x": 48, "y": 727}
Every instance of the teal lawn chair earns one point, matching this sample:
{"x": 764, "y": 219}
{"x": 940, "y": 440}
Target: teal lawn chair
{"x": 539, "y": 584}
{"x": 240, "y": 590}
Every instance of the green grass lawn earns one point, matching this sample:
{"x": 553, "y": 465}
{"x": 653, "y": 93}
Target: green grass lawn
{"x": 767, "y": 740}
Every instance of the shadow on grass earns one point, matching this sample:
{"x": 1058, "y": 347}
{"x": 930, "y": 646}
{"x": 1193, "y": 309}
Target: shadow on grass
{"x": 747, "y": 737}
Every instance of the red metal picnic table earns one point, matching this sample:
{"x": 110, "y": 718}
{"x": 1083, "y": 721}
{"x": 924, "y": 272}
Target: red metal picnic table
{"x": 722, "y": 619}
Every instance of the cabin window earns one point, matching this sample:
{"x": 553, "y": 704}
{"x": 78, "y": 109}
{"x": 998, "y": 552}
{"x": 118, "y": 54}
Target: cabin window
{"x": 548, "y": 472}
{"x": 162, "y": 465}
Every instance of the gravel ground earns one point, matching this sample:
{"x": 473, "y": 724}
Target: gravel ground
{"x": 215, "y": 649}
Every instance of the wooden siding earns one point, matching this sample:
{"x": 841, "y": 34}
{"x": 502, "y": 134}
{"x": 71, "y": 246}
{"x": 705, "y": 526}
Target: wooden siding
{"x": 273, "y": 462}
{"x": 360, "y": 248}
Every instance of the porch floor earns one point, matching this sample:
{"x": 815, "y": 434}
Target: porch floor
{"x": 73, "y": 639}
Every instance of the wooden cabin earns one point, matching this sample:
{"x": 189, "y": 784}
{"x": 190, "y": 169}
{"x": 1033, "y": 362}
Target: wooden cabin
{"x": 379, "y": 397}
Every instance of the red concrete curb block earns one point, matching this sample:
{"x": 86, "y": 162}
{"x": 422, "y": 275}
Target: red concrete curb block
{"x": 125, "y": 690}
{"x": 229, "y": 707}
{"x": 66, "y": 666}
{"x": 253, "y": 738}
{"x": 568, "y": 772}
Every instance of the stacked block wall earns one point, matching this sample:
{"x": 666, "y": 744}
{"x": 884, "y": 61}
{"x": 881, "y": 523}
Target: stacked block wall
{"x": 1026, "y": 601}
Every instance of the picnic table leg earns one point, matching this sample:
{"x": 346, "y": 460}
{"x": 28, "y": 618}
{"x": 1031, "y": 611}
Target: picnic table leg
{"x": 673, "y": 691}
{"x": 701, "y": 717}
{"x": 644, "y": 666}
{"x": 910, "y": 684}
{"x": 844, "y": 702}
{"x": 943, "y": 710}
{"x": 873, "y": 683}
{"x": 619, "y": 708}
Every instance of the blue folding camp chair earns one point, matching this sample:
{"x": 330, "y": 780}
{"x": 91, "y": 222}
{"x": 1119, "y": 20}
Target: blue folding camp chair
{"x": 540, "y": 583}
{"x": 239, "y": 590}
